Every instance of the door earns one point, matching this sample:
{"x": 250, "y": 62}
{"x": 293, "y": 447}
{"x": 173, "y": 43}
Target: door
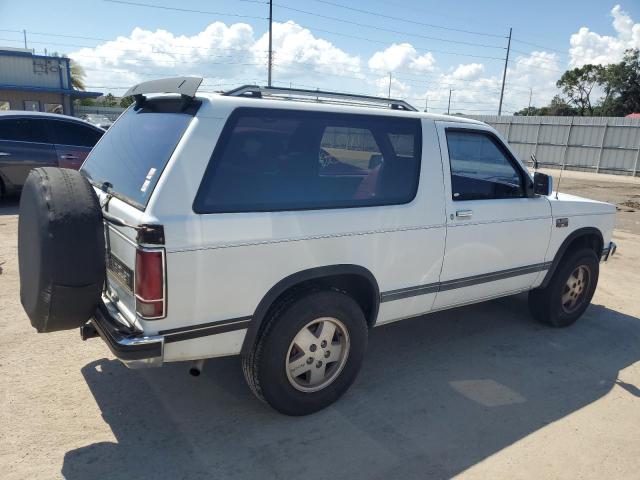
{"x": 73, "y": 142}
{"x": 24, "y": 144}
{"x": 497, "y": 230}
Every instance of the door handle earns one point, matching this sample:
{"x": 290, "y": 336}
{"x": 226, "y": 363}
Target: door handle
{"x": 67, "y": 156}
{"x": 464, "y": 213}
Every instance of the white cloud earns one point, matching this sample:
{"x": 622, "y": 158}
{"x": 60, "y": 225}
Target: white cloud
{"x": 226, "y": 55}
{"x": 298, "y": 52}
{"x": 590, "y": 47}
{"x": 219, "y": 51}
{"x": 468, "y": 71}
{"x": 401, "y": 56}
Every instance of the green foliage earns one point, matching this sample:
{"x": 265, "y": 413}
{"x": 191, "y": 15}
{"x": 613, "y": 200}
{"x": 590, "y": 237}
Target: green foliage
{"x": 77, "y": 76}
{"x": 109, "y": 100}
{"x": 621, "y": 85}
{"x": 88, "y": 102}
{"x": 577, "y": 85}
{"x": 126, "y": 101}
{"x": 557, "y": 107}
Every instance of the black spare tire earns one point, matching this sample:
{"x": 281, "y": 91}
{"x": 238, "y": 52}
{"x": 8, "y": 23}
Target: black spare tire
{"x": 61, "y": 252}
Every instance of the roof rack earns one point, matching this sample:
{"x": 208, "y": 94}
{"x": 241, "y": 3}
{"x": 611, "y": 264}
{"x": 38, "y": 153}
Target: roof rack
{"x": 185, "y": 86}
{"x": 255, "y": 91}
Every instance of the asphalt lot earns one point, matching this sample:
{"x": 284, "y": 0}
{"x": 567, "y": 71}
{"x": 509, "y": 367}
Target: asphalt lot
{"x": 481, "y": 392}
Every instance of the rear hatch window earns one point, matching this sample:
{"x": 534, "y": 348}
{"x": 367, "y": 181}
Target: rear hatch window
{"x": 135, "y": 150}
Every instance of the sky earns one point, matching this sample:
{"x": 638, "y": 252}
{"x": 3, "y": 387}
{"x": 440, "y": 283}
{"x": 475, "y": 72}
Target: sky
{"x": 423, "y": 48}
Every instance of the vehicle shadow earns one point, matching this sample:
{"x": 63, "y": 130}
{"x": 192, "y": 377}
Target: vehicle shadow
{"x": 437, "y": 394}
{"x": 9, "y": 205}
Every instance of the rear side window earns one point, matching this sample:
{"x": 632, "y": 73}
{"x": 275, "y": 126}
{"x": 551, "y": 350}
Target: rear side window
{"x": 270, "y": 160}
{"x": 24, "y": 130}
{"x": 135, "y": 150}
{"x": 71, "y": 133}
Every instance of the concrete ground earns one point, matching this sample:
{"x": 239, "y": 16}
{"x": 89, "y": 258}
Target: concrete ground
{"x": 479, "y": 392}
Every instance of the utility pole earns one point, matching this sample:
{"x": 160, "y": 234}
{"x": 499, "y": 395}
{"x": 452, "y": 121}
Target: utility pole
{"x": 530, "y": 95}
{"x": 426, "y": 104}
{"x": 504, "y": 74}
{"x": 270, "y": 41}
{"x": 24, "y": 33}
{"x": 449, "y": 105}
{"x": 389, "y": 96}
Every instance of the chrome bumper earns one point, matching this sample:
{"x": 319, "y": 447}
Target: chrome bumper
{"x": 132, "y": 348}
{"x": 608, "y": 251}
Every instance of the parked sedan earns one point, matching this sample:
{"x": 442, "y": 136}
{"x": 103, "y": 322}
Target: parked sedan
{"x": 35, "y": 139}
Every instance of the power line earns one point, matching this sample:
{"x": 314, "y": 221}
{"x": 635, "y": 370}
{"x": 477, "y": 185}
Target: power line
{"x": 50, "y": 34}
{"x": 187, "y": 10}
{"x": 194, "y": 47}
{"x": 415, "y": 22}
{"x": 375, "y": 27}
{"x": 419, "y": 49}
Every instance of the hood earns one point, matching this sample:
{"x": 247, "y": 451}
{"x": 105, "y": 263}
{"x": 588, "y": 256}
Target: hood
{"x": 568, "y": 205}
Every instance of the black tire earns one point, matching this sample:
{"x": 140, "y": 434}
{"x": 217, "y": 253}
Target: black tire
{"x": 61, "y": 252}
{"x": 264, "y": 367}
{"x": 546, "y": 304}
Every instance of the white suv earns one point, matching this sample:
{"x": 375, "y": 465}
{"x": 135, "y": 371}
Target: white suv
{"x": 283, "y": 224}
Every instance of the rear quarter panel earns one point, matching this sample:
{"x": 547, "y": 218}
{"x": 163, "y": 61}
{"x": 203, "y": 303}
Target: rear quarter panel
{"x": 221, "y": 265}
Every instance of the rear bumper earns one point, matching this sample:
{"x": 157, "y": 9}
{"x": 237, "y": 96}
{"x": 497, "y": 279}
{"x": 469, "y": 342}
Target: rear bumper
{"x": 132, "y": 347}
{"x": 608, "y": 251}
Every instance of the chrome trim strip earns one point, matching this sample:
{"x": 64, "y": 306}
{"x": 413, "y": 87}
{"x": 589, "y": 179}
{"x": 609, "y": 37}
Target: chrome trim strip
{"x": 407, "y": 292}
{"x": 300, "y": 239}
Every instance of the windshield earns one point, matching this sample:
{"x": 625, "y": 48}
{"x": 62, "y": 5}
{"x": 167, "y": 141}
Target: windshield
{"x": 135, "y": 150}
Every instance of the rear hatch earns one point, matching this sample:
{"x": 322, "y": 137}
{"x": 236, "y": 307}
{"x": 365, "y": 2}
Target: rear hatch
{"x": 124, "y": 167}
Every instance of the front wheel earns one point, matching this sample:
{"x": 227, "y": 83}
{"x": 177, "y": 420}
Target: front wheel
{"x": 309, "y": 353}
{"x": 569, "y": 292}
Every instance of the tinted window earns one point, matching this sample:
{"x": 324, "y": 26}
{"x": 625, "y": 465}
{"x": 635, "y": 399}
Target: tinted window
{"x": 480, "y": 168}
{"x": 135, "y": 150}
{"x": 24, "y": 130}
{"x": 71, "y": 133}
{"x": 287, "y": 160}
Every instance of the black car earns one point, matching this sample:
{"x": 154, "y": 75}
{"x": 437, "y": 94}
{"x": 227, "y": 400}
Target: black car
{"x": 35, "y": 139}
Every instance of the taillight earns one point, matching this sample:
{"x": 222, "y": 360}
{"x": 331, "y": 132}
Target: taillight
{"x": 150, "y": 283}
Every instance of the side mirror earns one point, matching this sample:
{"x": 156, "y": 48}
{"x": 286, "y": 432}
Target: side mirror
{"x": 542, "y": 184}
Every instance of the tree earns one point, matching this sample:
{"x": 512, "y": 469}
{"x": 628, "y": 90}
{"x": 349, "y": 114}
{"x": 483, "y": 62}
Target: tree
{"x": 577, "y": 85}
{"x": 126, "y": 101}
{"x": 621, "y": 85}
{"x": 77, "y": 76}
{"x": 557, "y": 107}
{"x": 109, "y": 100}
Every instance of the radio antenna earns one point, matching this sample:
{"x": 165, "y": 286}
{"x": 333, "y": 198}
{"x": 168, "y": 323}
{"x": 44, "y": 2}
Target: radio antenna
{"x": 559, "y": 180}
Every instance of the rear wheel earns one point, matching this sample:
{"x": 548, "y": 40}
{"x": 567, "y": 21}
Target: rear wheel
{"x": 569, "y": 292}
{"x": 309, "y": 353}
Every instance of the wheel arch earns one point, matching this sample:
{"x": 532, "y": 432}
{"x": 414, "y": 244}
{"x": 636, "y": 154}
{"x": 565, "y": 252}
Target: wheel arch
{"x": 356, "y": 280}
{"x": 590, "y": 237}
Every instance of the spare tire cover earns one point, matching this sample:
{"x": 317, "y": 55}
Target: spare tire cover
{"x": 61, "y": 253}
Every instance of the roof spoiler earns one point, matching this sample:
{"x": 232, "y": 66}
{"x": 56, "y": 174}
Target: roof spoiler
{"x": 185, "y": 86}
